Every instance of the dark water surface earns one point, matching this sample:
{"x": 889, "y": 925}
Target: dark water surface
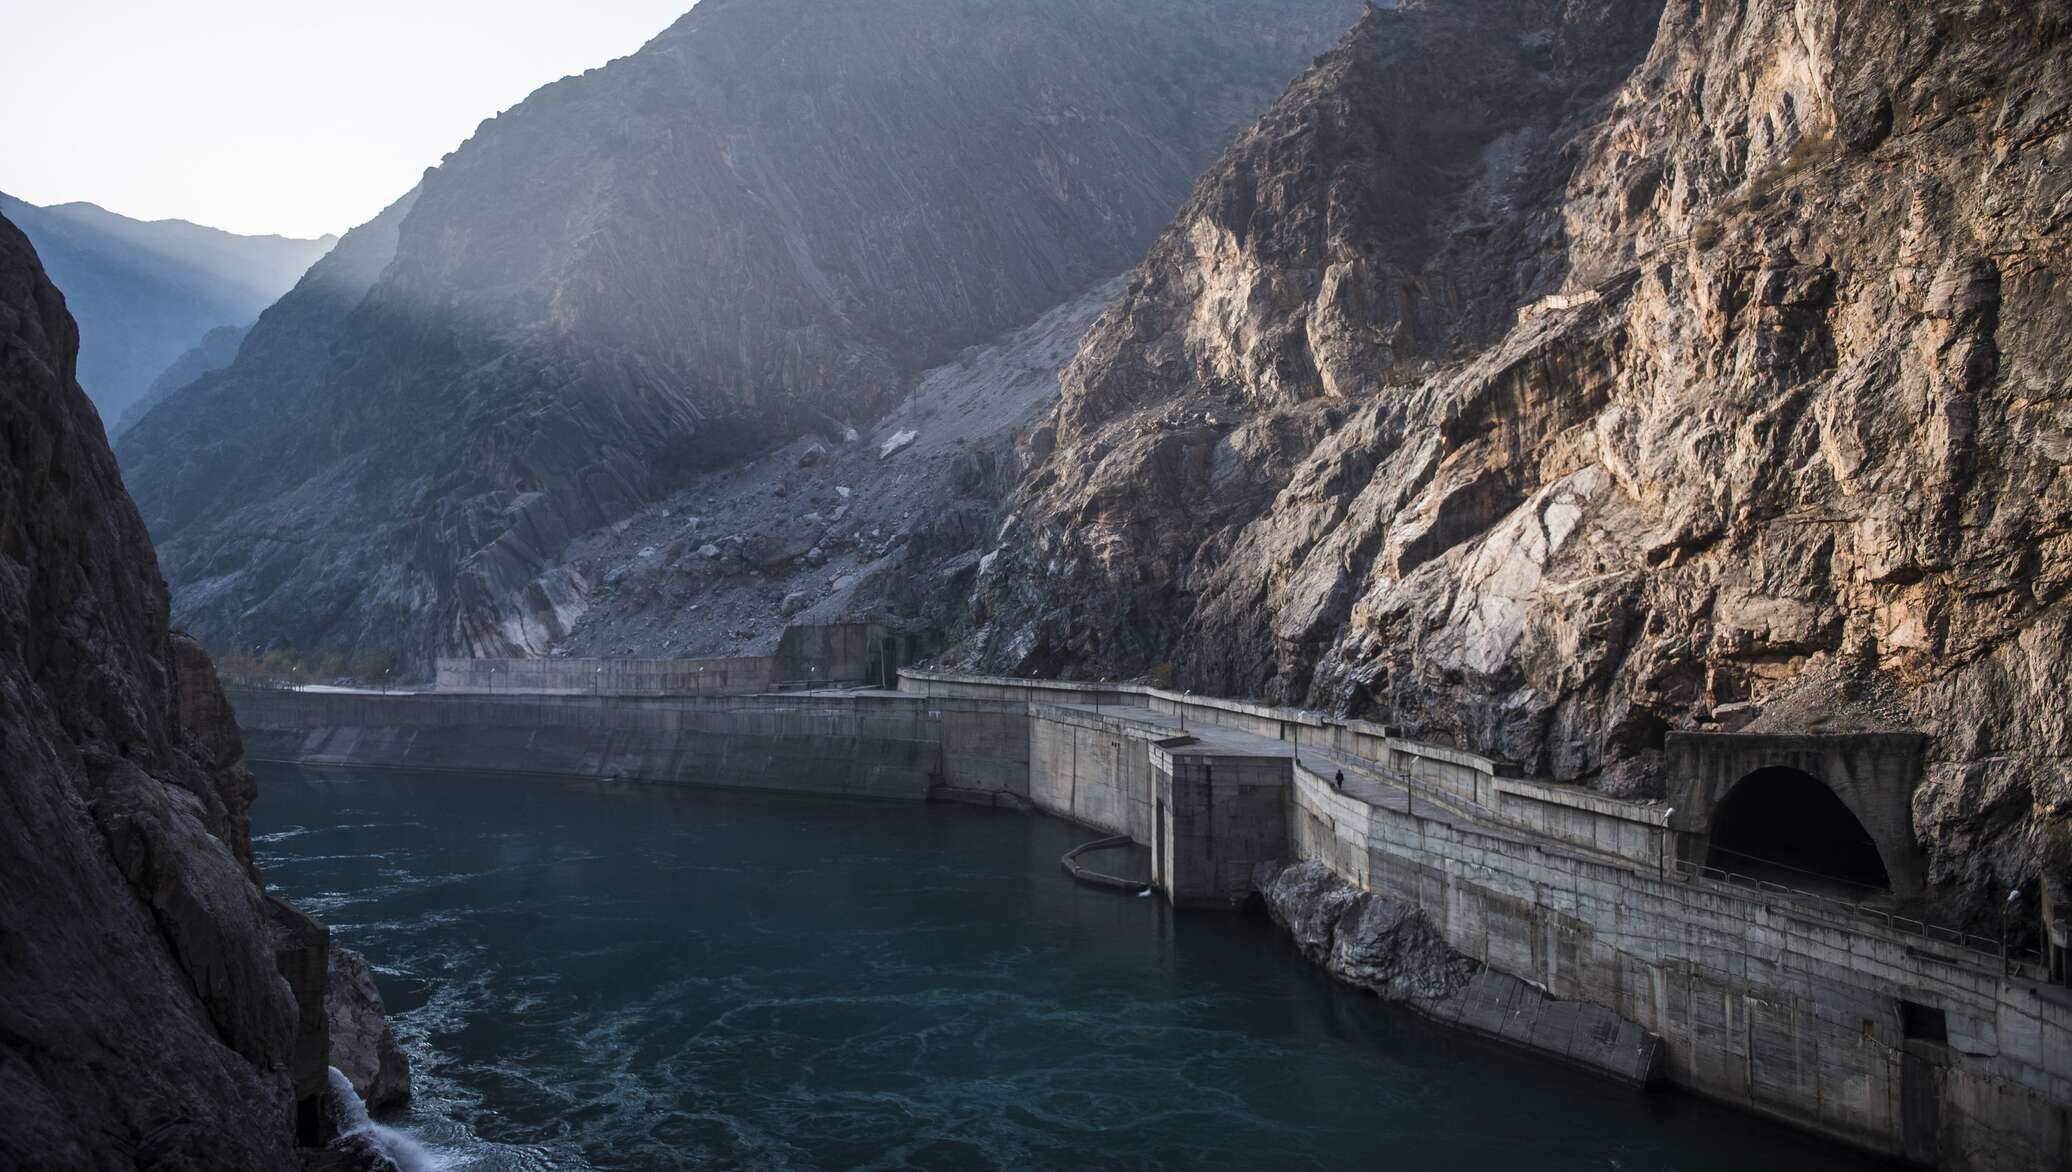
{"x": 591, "y": 977}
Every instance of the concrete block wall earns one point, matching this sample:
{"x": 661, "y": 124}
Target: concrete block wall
{"x": 609, "y": 677}
{"x": 1787, "y": 1009}
{"x": 985, "y": 747}
{"x": 877, "y": 747}
{"x": 1632, "y": 830}
{"x": 1091, "y": 769}
{"x": 1215, "y": 818}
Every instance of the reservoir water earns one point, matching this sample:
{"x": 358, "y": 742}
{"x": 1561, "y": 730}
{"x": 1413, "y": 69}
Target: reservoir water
{"x": 591, "y": 977}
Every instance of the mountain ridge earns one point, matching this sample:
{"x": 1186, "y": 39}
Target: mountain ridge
{"x": 146, "y": 291}
{"x": 1722, "y": 401}
{"x": 763, "y": 223}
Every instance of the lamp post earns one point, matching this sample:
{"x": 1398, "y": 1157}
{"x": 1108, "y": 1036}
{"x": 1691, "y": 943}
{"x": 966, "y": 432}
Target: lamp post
{"x": 2006, "y": 909}
{"x": 597, "y": 678}
{"x": 1668, "y": 838}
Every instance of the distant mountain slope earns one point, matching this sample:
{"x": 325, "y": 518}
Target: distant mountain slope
{"x": 144, "y": 292}
{"x": 216, "y": 350}
{"x": 764, "y": 222}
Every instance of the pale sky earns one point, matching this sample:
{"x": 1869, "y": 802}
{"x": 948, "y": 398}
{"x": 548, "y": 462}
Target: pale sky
{"x": 275, "y": 115}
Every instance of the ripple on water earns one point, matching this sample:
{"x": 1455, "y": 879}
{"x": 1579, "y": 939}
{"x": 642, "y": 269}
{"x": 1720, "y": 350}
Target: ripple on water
{"x": 634, "y": 981}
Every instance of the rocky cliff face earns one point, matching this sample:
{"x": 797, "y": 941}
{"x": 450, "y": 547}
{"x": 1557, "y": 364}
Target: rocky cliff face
{"x": 363, "y": 1048}
{"x": 144, "y": 292}
{"x": 763, "y": 223}
{"x": 1544, "y": 377}
{"x": 143, "y": 1023}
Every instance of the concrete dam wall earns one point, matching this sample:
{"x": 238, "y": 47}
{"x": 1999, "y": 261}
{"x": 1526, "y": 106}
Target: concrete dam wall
{"x": 883, "y": 746}
{"x": 1830, "y": 1011}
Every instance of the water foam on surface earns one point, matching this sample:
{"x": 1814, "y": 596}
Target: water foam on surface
{"x": 401, "y": 1148}
{"x": 586, "y": 979}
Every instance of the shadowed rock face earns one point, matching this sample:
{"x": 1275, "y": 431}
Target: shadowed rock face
{"x": 142, "y": 1020}
{"x": 1544, "y": 377}
{"x": 761, "y": 223}
{"x": 363, "y": 1047}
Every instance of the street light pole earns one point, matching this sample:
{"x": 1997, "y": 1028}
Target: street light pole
{"x": 2005, "y": 910}
{"x": 1668, "y": 839}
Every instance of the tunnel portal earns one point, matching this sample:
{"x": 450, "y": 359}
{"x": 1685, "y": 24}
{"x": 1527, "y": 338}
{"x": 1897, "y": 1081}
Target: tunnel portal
{"x": 1784, "y": 825}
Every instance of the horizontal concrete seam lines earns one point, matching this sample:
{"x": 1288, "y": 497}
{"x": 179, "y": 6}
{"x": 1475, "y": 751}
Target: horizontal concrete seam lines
{"x": 1419, "y": 803}
{"x": 1210, "y": 710}
{"x": 1722, "y": 917}
{"x": 887, "y": 752}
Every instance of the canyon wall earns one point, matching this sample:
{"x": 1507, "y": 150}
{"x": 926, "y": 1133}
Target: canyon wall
{"x": 762, "y": 224}
{"x": 143, "y": 1022}
{"x": 1544, "y": 377}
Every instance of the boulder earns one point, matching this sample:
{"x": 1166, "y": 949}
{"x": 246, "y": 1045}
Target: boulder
{"x": 363, "y": 1048}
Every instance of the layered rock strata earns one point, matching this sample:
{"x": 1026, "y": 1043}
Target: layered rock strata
{"x": 1544, "y": 377}
{"x": 760, "y": 225}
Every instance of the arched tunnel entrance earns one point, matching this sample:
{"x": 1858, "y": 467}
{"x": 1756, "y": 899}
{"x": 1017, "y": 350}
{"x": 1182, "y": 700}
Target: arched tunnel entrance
{"x": 1783, "y": 825}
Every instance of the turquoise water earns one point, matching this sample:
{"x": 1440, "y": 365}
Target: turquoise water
{"x": 615, "y": 978}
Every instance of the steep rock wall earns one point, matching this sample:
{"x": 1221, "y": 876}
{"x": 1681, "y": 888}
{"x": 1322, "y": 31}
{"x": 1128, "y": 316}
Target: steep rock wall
{"x": 142, "y": 1019}
{"x": 1543, "y": 377}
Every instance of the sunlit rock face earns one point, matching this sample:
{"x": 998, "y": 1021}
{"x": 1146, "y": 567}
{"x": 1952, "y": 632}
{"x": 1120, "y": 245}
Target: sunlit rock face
{"x": 143, "y": 1023}
{"x": 1544, "y": 377}
{"x": 760, "y": 224}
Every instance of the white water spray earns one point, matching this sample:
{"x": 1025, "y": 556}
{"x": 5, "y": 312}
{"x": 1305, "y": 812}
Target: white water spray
{"x": 401, "y": 1148}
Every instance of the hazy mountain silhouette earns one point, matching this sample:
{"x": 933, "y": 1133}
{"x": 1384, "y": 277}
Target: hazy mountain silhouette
{"x": 145, "y": 292}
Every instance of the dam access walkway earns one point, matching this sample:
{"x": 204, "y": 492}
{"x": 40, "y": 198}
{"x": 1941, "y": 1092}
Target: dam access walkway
{"x": 1366, "y": 782}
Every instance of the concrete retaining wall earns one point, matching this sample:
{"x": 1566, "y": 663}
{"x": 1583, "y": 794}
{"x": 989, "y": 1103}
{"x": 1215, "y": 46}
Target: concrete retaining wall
{"x": 885, "y": 747}
{"x": 1637, "y": 831}
{"x": 1796, "y": 1009}
{"x": 1790, "y": 1011}
{"x": 610, "y": 677}
{"x": 1092, "y": 769}
{"x": 1214, "y": 819}
{"x": 808, "y": 655}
